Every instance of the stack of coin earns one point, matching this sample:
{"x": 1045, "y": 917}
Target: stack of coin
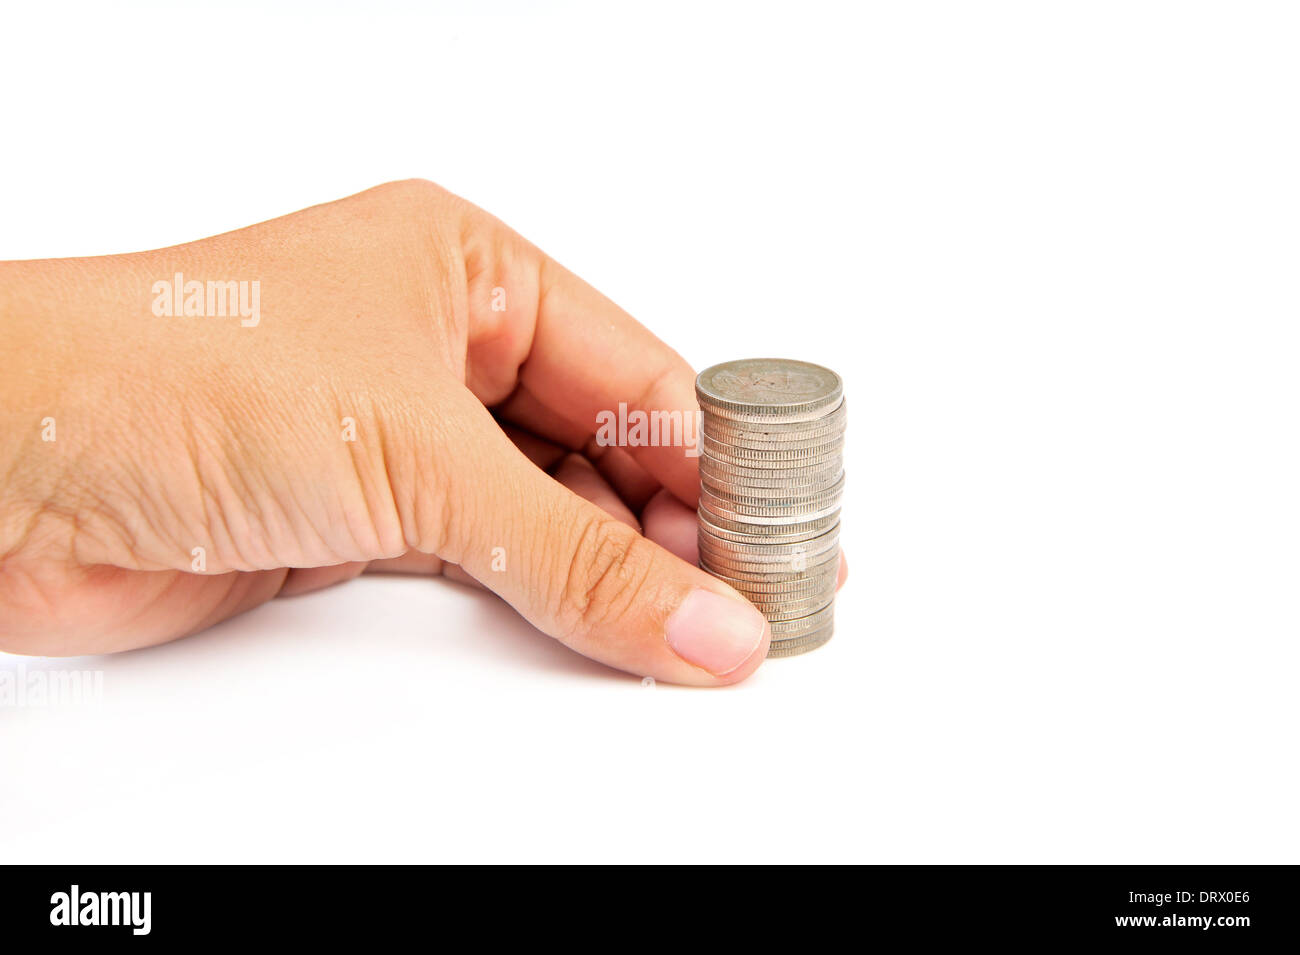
{"x": 771, "y": 478}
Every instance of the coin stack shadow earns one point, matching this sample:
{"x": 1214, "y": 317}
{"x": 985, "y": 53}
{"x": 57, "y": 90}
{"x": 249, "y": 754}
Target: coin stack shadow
{"x": 771, "y": 479}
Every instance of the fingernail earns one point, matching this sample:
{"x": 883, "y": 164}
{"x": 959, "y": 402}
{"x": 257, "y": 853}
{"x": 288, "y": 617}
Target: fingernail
{"x": 714, "y": 632}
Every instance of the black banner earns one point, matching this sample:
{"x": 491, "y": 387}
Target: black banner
{"x": 1221, "y": 906}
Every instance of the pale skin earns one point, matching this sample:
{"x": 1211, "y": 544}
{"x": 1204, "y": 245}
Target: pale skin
{"x": 471, "y": 451}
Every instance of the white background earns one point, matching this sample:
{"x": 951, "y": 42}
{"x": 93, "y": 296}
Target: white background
{"x": 1051, "y": 247}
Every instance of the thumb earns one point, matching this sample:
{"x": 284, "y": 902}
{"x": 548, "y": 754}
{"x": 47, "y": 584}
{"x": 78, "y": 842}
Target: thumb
{"x": 580, "y": 575}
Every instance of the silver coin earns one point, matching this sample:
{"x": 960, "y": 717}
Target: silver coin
{"x": 760, "y": 488}
{"x": 766, "y": 466}
{"x": 768, "y": 387}
{"x": 800, "y": 507}
{"x": 825, "y": 571}
{"x": 777, "y": 520}
{"x": 792, "y": 648}
{"x": 774, "y": 453}
{"x": 746, "y": 581}
{"x": 825, "y": 462}
{"x": 779, "y": 612}
{"x": 802, "y": 583}
{"x": 810, "y": 499}
{"x": 734, "y": 467}
{"x": 768, "y": 549}
{"x": 780, "y": 589}
{"x": 793, "y": 606}
{"x": 743, "y": 566}
{"x": 717, "y": 539}
{"x": 776, "y": 615}
{"x": 824, "y": 565}
{"x": 785, "y": 629}
{"x": 779, "y": 501}
{"x": 808, "y": 435}
{"x": 793, "y": 568}
{"x": 721, "y": 526}
{"x": 789, "y": 629}
{"x": 749, "y": 536}
{"x": 729, "y": 471}
{"x": 833, "y": 420}
{"x": 788, "y": 639}
{"x": 809, "y": 482}
{"x": 801, "y": 552}
{"x": 808, "y": 599}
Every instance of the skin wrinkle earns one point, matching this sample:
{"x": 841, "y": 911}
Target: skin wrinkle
{"x": 42, "y": 505}
{"x": 239, "y": 473}
{"x": 92, "y": 515}
{"x": 545, "y": 289}
{"x": 24, "y": 539}
{"x": 488, "y": 328}
{"x": 234, "y": 467}
{"x": 355, "y": 454}
{"x": 318, "y": 547}
{"x": 206, "y": 497}
{"x": 65, "y": 496}
{"x": 447, "y": 286}
{"x": 20, "y": 574}
{"x": 225, "y": 470}
{"x": 238, "y": 480}
{"x": 585, "y": 576}
{"x": 458, "y": 516}
{"x": 178, "y": 520}
{"x": 342, "y": 508}
{"x": 112, "y": 503}
{"x": 304, "y": 517}
{"x": 10, "y": 479}
{"x": 412, "y": 523}
{"x": 626, "y": 591}
{"x": 404, "y": 512}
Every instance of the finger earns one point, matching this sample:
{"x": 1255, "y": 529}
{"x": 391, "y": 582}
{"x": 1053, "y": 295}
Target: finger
{"x": 523, "y": 408}
{"x": 545, "y": 454}
{"x": 673, "y": 526}
{"x": 303, "y": 580}
{"x": 575, "y": 572}
{"x": 417, "y": 563}
{"x": 91, "y": 604}
{"x": 412, "y": 562}
{"x": 584, "y": 476}
{"x": 581, "y": 477}
{"x": 631, "y": 481}
{"x": 581, "y": 354}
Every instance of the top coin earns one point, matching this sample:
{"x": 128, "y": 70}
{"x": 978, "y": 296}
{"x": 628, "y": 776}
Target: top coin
{"x": 769, "y": 388}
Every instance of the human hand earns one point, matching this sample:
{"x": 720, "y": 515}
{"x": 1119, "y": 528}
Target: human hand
{"x": 199, "y": 466}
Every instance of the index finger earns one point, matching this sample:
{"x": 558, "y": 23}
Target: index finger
{"x": 596, "y": 365}
{"x": 592, "y": 364}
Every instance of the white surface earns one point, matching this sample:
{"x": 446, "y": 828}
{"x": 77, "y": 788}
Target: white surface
{"x": 1051, "y": 247}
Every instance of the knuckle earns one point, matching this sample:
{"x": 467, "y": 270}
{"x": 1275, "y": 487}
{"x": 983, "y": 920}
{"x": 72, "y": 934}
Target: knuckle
{"x": 414, "y": 189}
{"x": 413, "y": 201}
{"x": 607, "y": 571}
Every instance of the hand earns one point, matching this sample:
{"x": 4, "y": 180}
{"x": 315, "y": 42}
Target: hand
{"x": 164, "y": 472}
